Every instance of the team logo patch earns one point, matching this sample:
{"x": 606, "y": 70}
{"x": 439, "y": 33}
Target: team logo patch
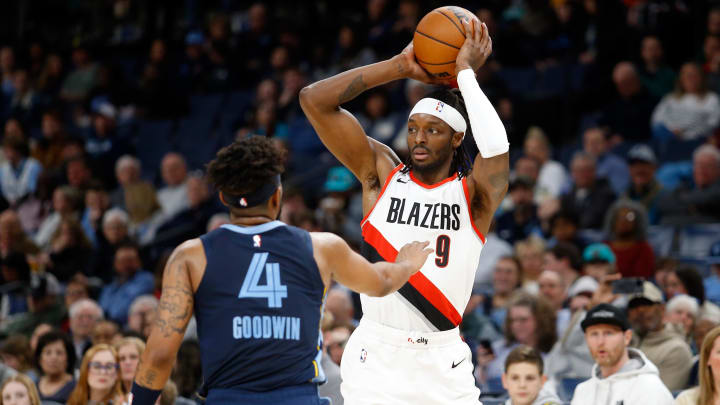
{"x": 363, "y": 355}
{"x": 243, "y": 202}
{"x": 439, "y": 107}
{"x": 257, "y": 241}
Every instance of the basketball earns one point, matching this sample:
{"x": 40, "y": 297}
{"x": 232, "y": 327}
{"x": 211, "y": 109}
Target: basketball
{"x": 438, "y": 39}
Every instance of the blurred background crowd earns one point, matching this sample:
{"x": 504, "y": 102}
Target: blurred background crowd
{"x": 109, "y": 110}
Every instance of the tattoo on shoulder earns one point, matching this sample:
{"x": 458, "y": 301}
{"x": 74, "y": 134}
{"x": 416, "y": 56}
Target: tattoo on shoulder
{"x": 355, "y": 87}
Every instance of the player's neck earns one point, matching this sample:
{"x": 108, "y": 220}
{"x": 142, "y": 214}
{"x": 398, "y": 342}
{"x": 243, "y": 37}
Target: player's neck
{"x": 251, "y": 220}
{"x": 432, "y": 177}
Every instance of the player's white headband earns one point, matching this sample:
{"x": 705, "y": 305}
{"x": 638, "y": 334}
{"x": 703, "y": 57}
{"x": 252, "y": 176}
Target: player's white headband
{"x": 441, "y": 110}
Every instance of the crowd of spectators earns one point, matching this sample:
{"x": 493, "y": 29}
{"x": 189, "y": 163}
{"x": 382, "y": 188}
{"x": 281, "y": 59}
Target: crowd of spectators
{"x": 107, "y": 119}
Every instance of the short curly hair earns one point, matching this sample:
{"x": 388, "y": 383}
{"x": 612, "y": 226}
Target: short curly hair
{"x": 245, "y": 165}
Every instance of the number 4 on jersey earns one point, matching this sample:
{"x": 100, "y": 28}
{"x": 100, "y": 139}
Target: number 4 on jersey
{"x": 274, "y": 291}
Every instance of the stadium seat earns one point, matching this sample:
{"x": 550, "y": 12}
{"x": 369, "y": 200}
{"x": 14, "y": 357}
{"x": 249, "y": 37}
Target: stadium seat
{"x": 661, "y": 239}
{"x": 695, "y": 240}
{"x": 567, "y": 387}
{"x": 519, "y": 81}
{"x": 197, "y": 140}
{"x": 206, "y": 106}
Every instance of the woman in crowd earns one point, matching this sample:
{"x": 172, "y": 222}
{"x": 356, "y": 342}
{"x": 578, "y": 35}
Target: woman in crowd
{"x": 99, "y": 382}
{"x": 55, "y": 359}
{"x": 680, "y": 314}
{"x": 530, "y": 321}
{"x": 691, "y": 111}
{"x": 687, "y": 280}
{"x": 626, "y": 227}
{"x": 708, "y": 391}
{"x": 129, "y": 350}
{"x": 19, "y": 390}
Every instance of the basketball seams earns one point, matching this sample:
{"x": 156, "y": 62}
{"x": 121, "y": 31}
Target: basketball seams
{"x": 434, "y": 64}
{"x": 453, "y": 22}
{"x": 435, "y": 39}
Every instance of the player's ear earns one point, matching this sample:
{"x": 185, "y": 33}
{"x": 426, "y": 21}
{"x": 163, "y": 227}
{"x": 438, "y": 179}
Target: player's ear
{"x": 457, "y": 139}
{"x": 222, "y": 199}
{"x": 276, "y": 198}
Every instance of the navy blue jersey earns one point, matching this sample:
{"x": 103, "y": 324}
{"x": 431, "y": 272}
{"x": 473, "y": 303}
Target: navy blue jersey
{"x": 258, "y": 308}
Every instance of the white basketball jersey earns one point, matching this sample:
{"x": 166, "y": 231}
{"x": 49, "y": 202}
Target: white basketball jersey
{"x": 408, "y": 210}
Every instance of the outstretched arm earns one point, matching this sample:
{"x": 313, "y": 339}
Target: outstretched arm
{"x": 338, "y": 129}
{"x": 173, "y": 315}
{"x": 337, "y": 261}
{"x": 489, "y": 180}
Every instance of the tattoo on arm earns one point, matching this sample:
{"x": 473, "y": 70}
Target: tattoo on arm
{"x": 175, "y": 304}
{"x": 499, "y": 181}
{"x": 355, "y": 87}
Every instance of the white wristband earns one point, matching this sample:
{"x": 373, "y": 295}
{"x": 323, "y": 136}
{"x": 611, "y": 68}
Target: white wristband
{"x": 487, "y": 128}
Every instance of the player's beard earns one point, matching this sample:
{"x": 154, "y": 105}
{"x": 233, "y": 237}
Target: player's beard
{"x": 431, "y": 166}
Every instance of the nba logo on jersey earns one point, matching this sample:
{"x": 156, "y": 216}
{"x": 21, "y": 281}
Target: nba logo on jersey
{"x": 363, "y": 355}
{"x": 243, "y": 202}
{"x": 439, "y": 107}
{"x": 257, "y": 241}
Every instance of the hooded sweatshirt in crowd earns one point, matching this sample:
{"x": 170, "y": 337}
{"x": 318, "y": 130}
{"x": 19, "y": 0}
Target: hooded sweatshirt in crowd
{"x": 669, "y": 352}
{"x": 546, "y": 396}
{"x": 636, "y": 383}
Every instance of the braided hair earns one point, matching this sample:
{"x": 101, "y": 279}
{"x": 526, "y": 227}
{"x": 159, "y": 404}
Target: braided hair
{"x": 461, "y": 160}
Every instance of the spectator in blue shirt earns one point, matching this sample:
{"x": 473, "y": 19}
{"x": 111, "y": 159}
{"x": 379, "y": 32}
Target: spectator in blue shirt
{"x": 712, "y": 283}
{"x": 609, "y": 165}
{"x": 130, "y": 282}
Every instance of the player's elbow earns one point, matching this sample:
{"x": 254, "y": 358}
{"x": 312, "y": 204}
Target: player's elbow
{"x": 382, "y": 286}
{"x": 307, "y": 97}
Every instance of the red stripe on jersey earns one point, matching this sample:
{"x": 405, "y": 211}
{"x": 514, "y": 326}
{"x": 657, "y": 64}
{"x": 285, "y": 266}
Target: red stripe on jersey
{"x": 467, "y": 200}
{"x": 387, "y": 181}
{"x": 435, "y": 296}
{"x": 430, "y": 186}
{"x": 422, "y": 284}
{"x": 375, "y": 239}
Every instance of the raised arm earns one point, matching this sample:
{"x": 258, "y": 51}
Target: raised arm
{"x": 338, "y": 129}
{"x": 173, "y": 315}
{"x": 489, "y": 179}
{"x": 337, "y": 261}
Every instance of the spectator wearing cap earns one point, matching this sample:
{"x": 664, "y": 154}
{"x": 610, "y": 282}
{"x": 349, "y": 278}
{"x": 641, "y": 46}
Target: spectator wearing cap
{"x": 609, "y": 165}
{"x": 14, "y": 280}
{"x": 620, "y": 375}
{"x": 644, "y": 187}
{"x": 44, "y": 306}
{"x": 339, "y": 210}
{"x": 626, "y": 228}
{"x": 130, "y": 282}
{"x": 598, "y": 261}
{"x": 664, "y": 347}
{"x": 590, "y": 196}
{"x": 699, "y": 203}
{"x": 18, "y": 173}
{"x": 521, "y": 221}
{"x": 681, "y": 312}
{"x": 712, "y": 282}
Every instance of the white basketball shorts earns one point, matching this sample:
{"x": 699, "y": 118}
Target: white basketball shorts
{"x": 387, "y": 366}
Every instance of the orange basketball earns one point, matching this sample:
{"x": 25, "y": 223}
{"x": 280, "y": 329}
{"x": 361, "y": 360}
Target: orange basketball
{"x": 438, "y": 38}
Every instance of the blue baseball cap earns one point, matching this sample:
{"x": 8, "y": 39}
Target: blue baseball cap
{"x": 598, "y": 252}
{"x": 339, "y": 179}
{"x": 714, "y": 256}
